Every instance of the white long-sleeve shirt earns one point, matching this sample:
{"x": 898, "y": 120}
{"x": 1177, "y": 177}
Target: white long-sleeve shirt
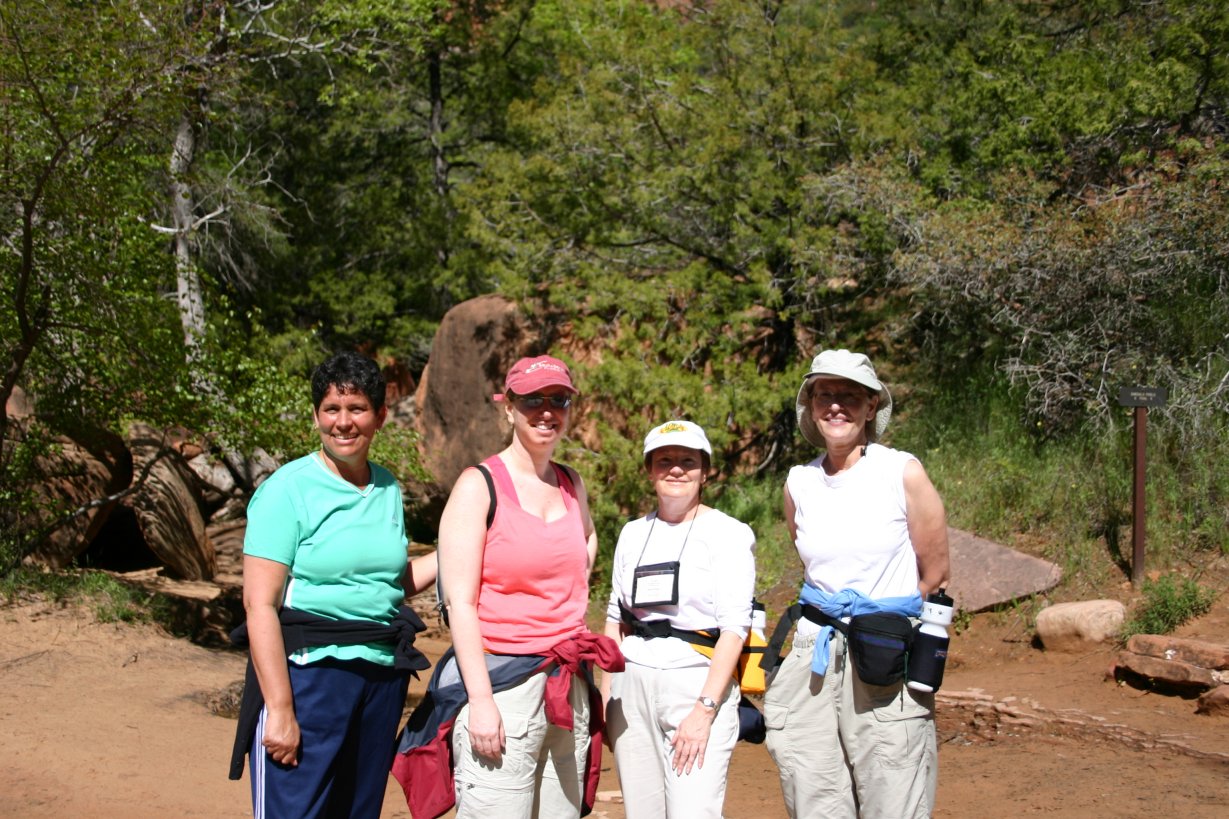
{"x": 716, "y": 582}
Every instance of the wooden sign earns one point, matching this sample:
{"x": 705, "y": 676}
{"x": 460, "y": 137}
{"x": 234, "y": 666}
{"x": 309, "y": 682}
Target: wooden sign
{"x": 1142, "y": 396}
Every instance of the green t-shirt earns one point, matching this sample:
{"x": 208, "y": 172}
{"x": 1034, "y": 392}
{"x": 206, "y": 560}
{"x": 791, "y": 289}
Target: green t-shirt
{"x": 345, "y": 546}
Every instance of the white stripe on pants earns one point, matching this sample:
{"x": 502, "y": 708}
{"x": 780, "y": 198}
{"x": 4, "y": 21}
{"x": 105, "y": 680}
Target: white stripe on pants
{"x": 645, "y": 709}
{"x": 846, "y": 749}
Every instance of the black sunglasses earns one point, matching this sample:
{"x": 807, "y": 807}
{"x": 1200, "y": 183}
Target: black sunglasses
{"x": 535, "y": 400}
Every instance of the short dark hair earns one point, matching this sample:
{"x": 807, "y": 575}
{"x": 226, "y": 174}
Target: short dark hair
{"x": 349, "y": 372}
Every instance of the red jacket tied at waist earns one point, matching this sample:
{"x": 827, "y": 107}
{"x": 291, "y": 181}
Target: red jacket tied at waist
{"x": 423, "y": 764}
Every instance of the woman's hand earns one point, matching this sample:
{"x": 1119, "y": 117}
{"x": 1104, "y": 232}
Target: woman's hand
{"x": 486, "y": 729}
{"x": 263, "y": 582}
{"x": 281, "y": 736}
{"x": 691, "y": 739}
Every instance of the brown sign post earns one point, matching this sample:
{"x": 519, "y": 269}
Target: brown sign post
{"x": 1140, "y": 398}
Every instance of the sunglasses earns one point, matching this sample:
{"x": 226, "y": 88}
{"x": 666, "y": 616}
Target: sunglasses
{"x": 537, "y": 399}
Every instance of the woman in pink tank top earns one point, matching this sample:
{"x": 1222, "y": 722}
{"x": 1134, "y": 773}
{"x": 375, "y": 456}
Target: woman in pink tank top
{"x": 519, "y": 587}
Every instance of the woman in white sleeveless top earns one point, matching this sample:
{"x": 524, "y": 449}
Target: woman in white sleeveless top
{"x": 871, "y": 532}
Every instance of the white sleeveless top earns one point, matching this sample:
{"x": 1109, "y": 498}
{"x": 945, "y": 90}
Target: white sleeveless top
{"x": 852, "y": 531}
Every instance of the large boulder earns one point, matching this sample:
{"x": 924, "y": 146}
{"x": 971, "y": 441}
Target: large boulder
{"x": 83, "y": 468}
{"x": 987, "y": 574}
{"x": 1081, "y": 625}
{"x": 168, "y": 507}
{"x": 476, "y": 343}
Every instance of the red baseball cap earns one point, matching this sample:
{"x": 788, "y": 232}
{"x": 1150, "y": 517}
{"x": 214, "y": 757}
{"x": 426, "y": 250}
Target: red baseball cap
{"x": 532, "y": 374}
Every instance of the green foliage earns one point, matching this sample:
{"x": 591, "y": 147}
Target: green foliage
{"x": 367, "y": 138}
{"x": 1077, "y": 301}
{"x": 110, "y": 600}
{"x": 85, "y": 328}
{"x": 1169, "y": 601}
{"x": 1013, "y": 207}
{"x": 1068, "y": 501}
{"x": 18, "y": 469}
{"x": 758, "y": 503}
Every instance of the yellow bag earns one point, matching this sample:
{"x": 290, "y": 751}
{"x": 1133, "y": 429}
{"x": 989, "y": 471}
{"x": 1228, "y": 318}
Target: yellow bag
{"x": 750, "y": 674}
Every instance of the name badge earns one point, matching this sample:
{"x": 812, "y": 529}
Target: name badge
{"x": 656, "y": 585}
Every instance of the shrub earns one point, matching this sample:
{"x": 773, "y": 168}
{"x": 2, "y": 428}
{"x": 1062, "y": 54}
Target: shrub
{"x": 1169, "y": 601}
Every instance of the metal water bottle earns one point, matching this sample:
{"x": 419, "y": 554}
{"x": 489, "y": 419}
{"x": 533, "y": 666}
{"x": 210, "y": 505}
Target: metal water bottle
{"x": 929, "y": 652}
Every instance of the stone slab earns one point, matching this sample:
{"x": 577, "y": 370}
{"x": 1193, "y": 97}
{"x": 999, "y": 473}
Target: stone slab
{"x": 987, "y": 574}
{"x": 1167, "y": 672}
{"x": 1214, "y": 656}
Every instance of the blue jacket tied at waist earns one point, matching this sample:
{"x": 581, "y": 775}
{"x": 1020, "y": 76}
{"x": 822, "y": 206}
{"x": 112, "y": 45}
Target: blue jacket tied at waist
{"x": 850, "y": 603}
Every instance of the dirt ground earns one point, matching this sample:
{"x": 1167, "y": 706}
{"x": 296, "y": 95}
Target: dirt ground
{"x": 108, "y": 720}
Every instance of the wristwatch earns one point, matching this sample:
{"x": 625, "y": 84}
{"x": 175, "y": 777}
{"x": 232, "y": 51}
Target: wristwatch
{"x": 707, "y": 702}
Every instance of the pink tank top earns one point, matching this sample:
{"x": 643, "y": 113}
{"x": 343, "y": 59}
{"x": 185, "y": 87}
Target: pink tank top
{"x": 535, "y": 589}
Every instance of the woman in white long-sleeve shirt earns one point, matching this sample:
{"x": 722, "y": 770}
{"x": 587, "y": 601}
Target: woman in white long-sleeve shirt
{"x": 672, "y": 715}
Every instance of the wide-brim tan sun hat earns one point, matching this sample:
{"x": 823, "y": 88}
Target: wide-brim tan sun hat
{"x": 854, "y": 367}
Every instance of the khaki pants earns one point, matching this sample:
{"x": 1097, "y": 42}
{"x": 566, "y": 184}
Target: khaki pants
{"x": 846, "y": 749}
{"x": 645, "y": 709}
{"x": 541, "y": 773}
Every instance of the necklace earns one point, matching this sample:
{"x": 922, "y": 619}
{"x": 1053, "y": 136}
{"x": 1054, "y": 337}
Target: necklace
{"x": 686, "y": 536}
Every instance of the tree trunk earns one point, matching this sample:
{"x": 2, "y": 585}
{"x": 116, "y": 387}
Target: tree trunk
{"x": 188, "y": 280}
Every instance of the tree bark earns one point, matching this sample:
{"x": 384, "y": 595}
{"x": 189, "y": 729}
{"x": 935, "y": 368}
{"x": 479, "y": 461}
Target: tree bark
{"x": 187, "y": 278}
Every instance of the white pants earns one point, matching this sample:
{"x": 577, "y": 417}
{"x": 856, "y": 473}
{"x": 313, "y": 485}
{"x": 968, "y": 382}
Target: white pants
{"x": 847, "y": 749}
{"x": 542, "y": 770}
{"x": 645, "y": 709}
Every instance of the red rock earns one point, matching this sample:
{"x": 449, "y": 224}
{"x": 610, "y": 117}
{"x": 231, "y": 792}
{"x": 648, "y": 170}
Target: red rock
{"x": 986, "y": 574}
{"x": 1166, "y": 672}
{"x": 477, "y": 341}
{"x": 1214, "y": 703}
{"x": 1196, "y": 652}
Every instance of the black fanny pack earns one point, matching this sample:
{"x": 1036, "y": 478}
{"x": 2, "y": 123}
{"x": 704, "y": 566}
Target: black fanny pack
{"x": 880, "y": 646}
{"x": 879, "y": 643}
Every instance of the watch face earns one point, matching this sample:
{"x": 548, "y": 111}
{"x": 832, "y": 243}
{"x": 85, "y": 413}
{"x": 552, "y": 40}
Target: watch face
{"x": 707, "y": 702}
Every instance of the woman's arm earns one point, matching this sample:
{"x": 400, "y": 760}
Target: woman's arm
{"x": 615, "y": 632}
{"x": 732, "y": 560}
{"x": 927, "y": 529}
{"x": 420, "y": 574}
{"x": 582, "y": 498}
{"x": 461, "y": 547}
{"x": 691, "y": 738}
{"x": 264, "y": 582}
{"x": 790, "y": 511}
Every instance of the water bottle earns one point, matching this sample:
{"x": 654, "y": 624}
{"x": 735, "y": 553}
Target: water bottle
{"x": 759, "y": 620}
{"x": 751, "y": 672}
{"x": 929, "y": 652}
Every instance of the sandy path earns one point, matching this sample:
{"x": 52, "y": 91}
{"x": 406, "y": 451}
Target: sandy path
{"x": 108, "y": 720}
